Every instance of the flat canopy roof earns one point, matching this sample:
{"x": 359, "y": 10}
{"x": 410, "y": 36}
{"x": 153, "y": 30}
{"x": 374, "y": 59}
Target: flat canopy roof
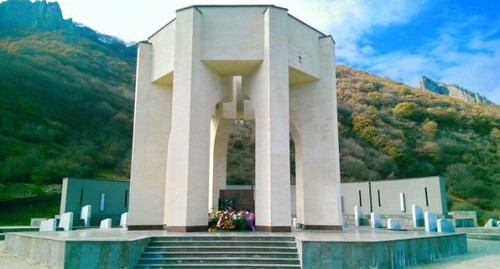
{"x": 197, "y": 7}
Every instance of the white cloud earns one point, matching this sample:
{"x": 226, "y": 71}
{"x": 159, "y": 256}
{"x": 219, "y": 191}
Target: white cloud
{"x": 460, "y": 55}
{"x": 402, "y": 66}
{"x": 464, "y": 52}
{"x": 345, "y": 19}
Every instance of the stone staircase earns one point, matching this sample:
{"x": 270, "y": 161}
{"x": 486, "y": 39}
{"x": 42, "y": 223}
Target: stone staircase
{"x": 222, "y": 251}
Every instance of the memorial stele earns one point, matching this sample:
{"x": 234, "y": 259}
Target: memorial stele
{"x": 212, "y": 65}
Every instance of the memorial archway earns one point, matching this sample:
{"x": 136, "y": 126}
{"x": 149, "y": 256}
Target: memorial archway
{"x": 204, "y": 66}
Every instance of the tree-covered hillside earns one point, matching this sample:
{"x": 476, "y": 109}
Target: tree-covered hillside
{"x": 390, "y": 130}
{"x": 67, "y": 97}
{"x": 416, "y": 133}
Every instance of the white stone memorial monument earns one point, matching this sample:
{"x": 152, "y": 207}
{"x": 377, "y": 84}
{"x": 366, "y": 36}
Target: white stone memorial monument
{"x": 375, "y": 220}
{"x": 358, "y": 216}
{"x": 445, "y": 226}
{"x": 105, "y": 224}
{"x": 85, "y": 215}
{"x": 123, "y": 220}
{"x": 491, "y": 223}
{"x": 430, "y": 220}
{"x": 48, "y": 225}
{"x": 212, "y": 65}
{"x": 393, "y": 224}
{"x": 417, "y": 216}
{"x": 66, "y": 221}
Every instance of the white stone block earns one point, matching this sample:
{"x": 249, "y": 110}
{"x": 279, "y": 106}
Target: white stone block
{"x": 430, "y": 221}
{"x": 86, "y": 214}
{"x": 48, "y": 225}
{"x": 105, "y": 224}
{"x": 123, "y": 220}
{"x": 393, "y": 224}
{"x": 491, "y": 223}
{"x": 358, "y": 216}
{"x": 417, "y": 215}
{"x": 66, "y": 221}
{"x": 445, "y": 226}
{"x": 375, "y": 220}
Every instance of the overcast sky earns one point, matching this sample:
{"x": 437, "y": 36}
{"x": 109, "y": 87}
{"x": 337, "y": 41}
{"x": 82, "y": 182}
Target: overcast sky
{"x": 456, "y": 42}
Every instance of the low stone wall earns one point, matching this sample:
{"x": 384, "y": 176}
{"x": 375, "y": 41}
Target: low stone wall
{"x": 45, "y": 251}
{"x": 76, "y": 254}
{"x": 381, "y": 254}
{"x": 102, "y": 254}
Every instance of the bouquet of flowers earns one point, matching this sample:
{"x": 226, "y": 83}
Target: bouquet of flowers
{"x": 230, "y": 219}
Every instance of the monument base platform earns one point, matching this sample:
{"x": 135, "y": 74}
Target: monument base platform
{"x": 351, "y": 248}
{"x": 370, "y": 248}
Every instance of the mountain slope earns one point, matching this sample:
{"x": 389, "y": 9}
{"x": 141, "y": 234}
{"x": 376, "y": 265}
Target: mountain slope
{"x": 390, "y": 130}
{"x": 67, "y": 98}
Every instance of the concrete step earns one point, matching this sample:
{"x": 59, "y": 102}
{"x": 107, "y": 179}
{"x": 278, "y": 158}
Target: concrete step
{"x": 220, "y": 252}
{"x": 226, "y": 243}
{"x": 213, "y": 260}
{"x": 218, "y": 248}
{"x": 224, "y": 254}
{"x": 222, "y": 238}
{"x": 217, "y": 266}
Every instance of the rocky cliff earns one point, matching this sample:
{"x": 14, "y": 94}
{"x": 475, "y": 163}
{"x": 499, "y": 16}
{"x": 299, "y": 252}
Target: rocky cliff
{"x": 452, "y": 91}
{"x": 21, "y": 15}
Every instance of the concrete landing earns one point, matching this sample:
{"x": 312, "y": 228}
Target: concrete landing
{"x": 120, "y": 248}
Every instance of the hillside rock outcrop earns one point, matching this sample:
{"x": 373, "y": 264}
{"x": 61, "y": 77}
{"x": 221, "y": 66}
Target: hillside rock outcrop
{"x": 452, "y": 91}
{"x": 22, "y": 15}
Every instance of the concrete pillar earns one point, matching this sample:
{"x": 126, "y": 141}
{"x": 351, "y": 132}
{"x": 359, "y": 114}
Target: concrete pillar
{"x": 314, "y": 117}
{"x": 267, "y": 88}
{"x": 152, "y": 119}
{"x": 197, "y": 90}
